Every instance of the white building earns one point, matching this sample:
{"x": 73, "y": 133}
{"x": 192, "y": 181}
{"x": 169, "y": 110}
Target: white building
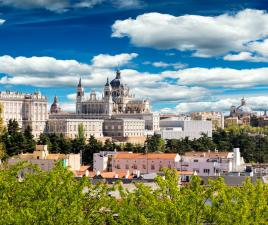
{"x": 212, "y": 163}
{"x": 26, "y": 109}
{"x": 102, "y": 161}
{"x": 46, "y": 161}
{"x": 69, "y": 127}
{"x": 172, "y": 128}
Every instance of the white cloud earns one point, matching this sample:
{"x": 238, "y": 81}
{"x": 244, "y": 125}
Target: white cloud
{"x": 64, "y": 5}
{"x": 238, "y": 57}
{"x": 2, "y": 21}
{"x": 109, "y": 61}
{"x": 127, "y": 3}
{"x": 256, "y": 103}
{"x": 161, "y": 64}
{"x": 48, "y": 71}
{"x": 67, "y": 107}
{"x": 88, "y": 3}
{"x": 204, "y": 35}
{"x": 168, "y": 92}
{"x": 220, "y": 77}
{"x": 52, "y": 5}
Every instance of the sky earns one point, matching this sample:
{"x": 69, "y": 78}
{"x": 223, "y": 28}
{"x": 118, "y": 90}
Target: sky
{"x": 184, "y": 55}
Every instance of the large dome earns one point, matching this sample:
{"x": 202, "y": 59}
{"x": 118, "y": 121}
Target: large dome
{"x": 244, "y": 109}
{"x": 115, "y": 83}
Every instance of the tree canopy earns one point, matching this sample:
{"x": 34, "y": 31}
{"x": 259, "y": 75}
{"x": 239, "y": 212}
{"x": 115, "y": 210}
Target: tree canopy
{"x": 56, "y": 197}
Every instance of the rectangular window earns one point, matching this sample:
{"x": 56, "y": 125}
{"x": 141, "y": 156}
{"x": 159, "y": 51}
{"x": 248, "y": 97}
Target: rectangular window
{"x": 135, "y": 167}
{"x": 152, "y": 167}
{"x": 206, "y": 171}
{"x": 195, "y": 160}
{"x": 127, "y": 166}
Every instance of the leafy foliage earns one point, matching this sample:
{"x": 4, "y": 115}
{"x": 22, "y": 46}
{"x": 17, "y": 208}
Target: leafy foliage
{"x": 56, "y": 197}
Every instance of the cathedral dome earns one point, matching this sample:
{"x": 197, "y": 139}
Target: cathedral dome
{"x": 116, "y": 83}
{"x": 244, "y": 109}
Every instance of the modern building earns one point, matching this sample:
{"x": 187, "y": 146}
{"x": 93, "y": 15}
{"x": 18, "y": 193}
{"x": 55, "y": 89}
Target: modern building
{"x": 139, "y": 163}
{"x": 70, "y": 127}
{"x": 212, "y": 163}
{"x": 217, "y": 118}
{"x": 46, "y": 161}
{"x": 26, "y": 109}
{"x": 172, "y": 128}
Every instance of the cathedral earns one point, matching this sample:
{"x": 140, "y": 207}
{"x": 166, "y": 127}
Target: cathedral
{"x": 116, "y": 100}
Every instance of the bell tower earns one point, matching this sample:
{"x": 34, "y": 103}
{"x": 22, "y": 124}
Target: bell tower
{"x": 108, "y": 101}
{"x": 79, "y": 97}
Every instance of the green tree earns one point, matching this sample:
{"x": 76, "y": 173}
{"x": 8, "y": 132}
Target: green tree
{"x": 2, "y": 131}
{"x": 30, "y": 143}
{"x": 13, "y": 139}
{"x": 155, "y": 143}
{"x": 93, "y": 146}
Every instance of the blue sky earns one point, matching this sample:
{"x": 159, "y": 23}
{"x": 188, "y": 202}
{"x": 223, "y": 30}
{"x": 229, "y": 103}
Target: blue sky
{"x": 185, "y": 55}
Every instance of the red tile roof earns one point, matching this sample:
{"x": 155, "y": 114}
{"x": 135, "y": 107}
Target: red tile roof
{"x": 145, "y": 156}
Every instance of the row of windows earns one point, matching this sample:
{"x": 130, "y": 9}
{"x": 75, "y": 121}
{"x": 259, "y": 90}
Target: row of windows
{"x": 135, "y": 167}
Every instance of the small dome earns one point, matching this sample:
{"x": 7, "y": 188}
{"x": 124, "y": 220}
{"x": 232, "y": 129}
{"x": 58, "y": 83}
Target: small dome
{"x": 55, "y": 107}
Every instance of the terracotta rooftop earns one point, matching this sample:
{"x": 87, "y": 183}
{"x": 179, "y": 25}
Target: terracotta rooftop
{"x": 145, "y": 156}
{"x": 208, "y": 154}
{"x": 185, "y": 172}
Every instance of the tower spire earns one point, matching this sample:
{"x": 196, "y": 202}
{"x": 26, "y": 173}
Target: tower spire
{"x": 107, "y": 82}
{"x": 80, "y": 83}
{"x": 118, "y": 74}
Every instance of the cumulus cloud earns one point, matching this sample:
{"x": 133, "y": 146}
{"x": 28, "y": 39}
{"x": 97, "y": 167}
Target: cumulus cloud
{"x": 220, "y": 77}
{"x": 64, "y": 5}
{"x": 169, "y": 92}
{"x": 206, "y": 36}
{"x": 109, "y": 61}
{"x": 2, "y": 21}
{"x": 256, "y": 103}
{"x": 49, "y": 71}
{"x": 52, "y": 5}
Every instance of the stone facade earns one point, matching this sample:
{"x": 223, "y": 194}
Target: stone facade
{"x": 26, "y": 109}
{"x": 116, "y": 99}
{"x": 69, "y": 127}
{"x": 124, "y": 127}
{"x": 217, "y": 118}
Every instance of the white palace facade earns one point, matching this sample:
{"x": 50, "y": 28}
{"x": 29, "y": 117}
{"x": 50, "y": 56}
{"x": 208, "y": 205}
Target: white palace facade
{"x": 26, "y": 109}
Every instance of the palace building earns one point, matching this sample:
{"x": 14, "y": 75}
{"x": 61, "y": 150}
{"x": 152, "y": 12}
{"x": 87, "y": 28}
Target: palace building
{"x": 26, "y": 109}
{"x": 116, "y": 105}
